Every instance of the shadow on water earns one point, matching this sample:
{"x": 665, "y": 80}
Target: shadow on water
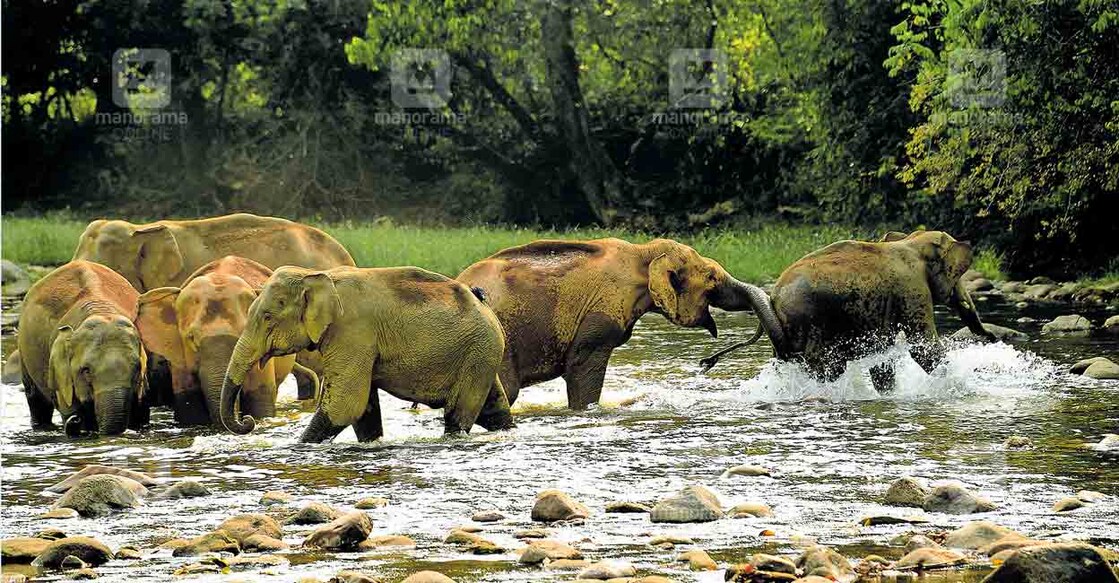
{"x": 662, "y": 425}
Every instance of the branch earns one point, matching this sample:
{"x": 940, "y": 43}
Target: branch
{"x": 485, "y": 77}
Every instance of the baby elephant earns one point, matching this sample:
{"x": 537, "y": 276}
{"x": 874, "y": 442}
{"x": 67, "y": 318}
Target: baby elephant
{"x": 195, "y": 327}
{"x": 80, "y": 351}
{"x": 415, "y": 334}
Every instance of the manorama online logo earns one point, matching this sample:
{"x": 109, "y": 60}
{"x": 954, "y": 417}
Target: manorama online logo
{"x": 141, "y": 86}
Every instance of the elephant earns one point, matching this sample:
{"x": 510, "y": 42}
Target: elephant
{"x": 81, "y": 353}
{"x": 851, "y": 298}
{"x": 417, "y": 335}
{"x": 195, "y": 327}
{"x": 566, "y": 305}
{"x": 164, "y": 253}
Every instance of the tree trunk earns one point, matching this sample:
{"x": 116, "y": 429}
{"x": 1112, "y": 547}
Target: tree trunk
{"x": 590, "y": 169}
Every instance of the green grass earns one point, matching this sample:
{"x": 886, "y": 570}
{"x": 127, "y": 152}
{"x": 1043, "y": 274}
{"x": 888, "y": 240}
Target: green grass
{"x": 989, "y": 263}
{"x": 752, "y": 255}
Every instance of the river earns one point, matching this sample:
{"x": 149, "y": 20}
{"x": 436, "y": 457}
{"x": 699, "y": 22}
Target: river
{"x": 663, "y": 425}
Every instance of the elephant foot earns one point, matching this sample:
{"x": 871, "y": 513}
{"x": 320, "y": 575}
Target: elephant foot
{"x": 320, "y": 429}
{"x": 496, "y": 421}
{"x": 454, "y": 434}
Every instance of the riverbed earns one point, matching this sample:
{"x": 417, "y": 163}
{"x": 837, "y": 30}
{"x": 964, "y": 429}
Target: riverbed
{"x": 662, "y": 425}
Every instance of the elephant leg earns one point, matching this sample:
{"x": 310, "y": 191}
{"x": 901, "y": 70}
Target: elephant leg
{"x": 42, "y": 411}
{"x": 509, "y": 379}
{"x": 929, "y": 354}
{"x": 882, "y": 377}
{"x": 495, "y": 412}
{"x": 190, "y": 404}
{"x": 368, "y": 427}
{"x": 584, "y": 376}
{"x": 468, "y": 396}
{"x": 346, "y": 391}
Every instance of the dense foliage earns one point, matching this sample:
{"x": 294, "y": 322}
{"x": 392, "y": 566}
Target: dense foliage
{"x": 993, "y": 119}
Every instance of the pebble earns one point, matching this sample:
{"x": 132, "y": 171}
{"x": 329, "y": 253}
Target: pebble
{"x": 627, "y": 508}
{"x": 371, "y": 503}
{"x": 313, "y": 513}
{"x": 488, "y": 516}
{"x": 428, "y": 577}
{"x": 929, "y": 558}
{"x": 670, "y": 540}
{"x": 387, "y": 540}
{"x": 604, "y": 570}
{"x": 748, "y": 471}
{"x": 751, "y": 509}
{"x": 342, "y": 533}
{"x": 275, "y": 497}
{"x": 697, "y": 560}
{"x": 1018, "y": 442}
{"x": 1068, "y": 504}
{"x": 548, "y": 550}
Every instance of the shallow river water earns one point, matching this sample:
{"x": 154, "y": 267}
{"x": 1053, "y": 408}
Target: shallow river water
{"x": 663, "y": 425}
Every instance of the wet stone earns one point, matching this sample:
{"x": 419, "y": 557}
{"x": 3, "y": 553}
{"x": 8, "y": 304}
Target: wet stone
{"x": 50, "y": 534}
{"x": 102, "y": 494}
{"x": 1018, "y": 442}
{"x": 1068, "y": 504}
{"x": 532, "y": 533}
{"x": 956, "y": 499}
{"x": 977, "y": 534}
{"x": 1064, "y": 562}
{"x": 345, "y": 532}
{"x": 371, "y": 503}
{"x": 243, "y": 526}
{"x": 488, "y": 516}
{"x": 22, "y": 550}
{"x": 774, "y": 563}
{"x": 627, "y": 508}
{"x": 751, "y": 509}
{"x": 907, "y": 491}
{"x": 554, "y": 505}
{"x": 97, "y": 470}
{"x": 60, "y": 514}
{"x": 185, "y": 489}
{"x": 697, "y": 560}
{"x": 386, "y": 541}
{"x": 428, "y": 577}
{"x": 604, "y": 570}
{"x": 693, "y": 504}
{"x": 929, "y": 558}
{"x": 548, "y": 550}
{"x": 263, "y": 543}
{"x": 212, "y": 542}
{"x": 275, "y": 497}
{"x": 748, "y": 470}
{"x": 313, "y": 513}
{"x": 89, "y": 550}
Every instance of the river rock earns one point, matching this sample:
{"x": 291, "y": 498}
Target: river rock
{"x": 1083, "y": 364}
{"x": 567, "y": 565}
{"x": 313, "y": 513}
{"x": 95, "y": 470}
{"x": 102, "y": 494}
{"x": 483, "y": 546}
{"x": 746, "y": 573}
{"x": 539, "y": 550}
{"x": 1111, "y": 325}
{"x": 259, "y": 543}
{"x": 257, "y": 562}
{"x": 604, "y": 570}
{"x": 824, "y": 562}
{"x": 83, "y": 574}
{"x": 275, "y": 497}
{"x": 344, "y": 532}
{"x": 387, "y": 540}
{"x": 670, "y": 540}
{"x": 1068, "y": 504}
{"x": 461, "y": 537}
{"x": 211, "y": 542}
{"x": 1017, "y": 442}
{"x": 12, "y": 371}
{"x": 212, "y": 565}
{"x": 977, "y": 534}
{"x": 60, "y": 514}
{"x": 979, "y": 284}
{"x": 488, "y": 516}
{"x": 920, "y": 541}
{"x": 752, "y": 509}
{"x": 532, "y": 533}
{"x": 1068, "y": 325}
{"x": 353, "y": 577}
{"x": 1090, "y": 496}
{"x": 929, "y": 558}
{"x": 748, "y": 470}
{"x": 428, "y": 577}
{"x": 907, "y": 491}
{"x": 697, "y": 560}
{"x": 1010, "y": 542}
{"x": 185, "y": 489}
{"x": 1054, "y": 563}
{"x": 692, "y": 504}
{"x": 1103, "y": 370}
{"x": 956, "y": 499}
{"x": 50, "y": 533}
{"x": 14, "y": 281}
{"x": 22, "y": 550}
{"x": 1110, "y": 442}
{"x": 1038, "y": 291}
{"x": 371, "y": 503}
{"x": 89, "y": 550}
{"x": 627, "y": 508}
{"x": 128, "y": 554}
{"x": 773, "y": 563}
{"x": 243, "y": 526}
{"x": 1000, "y": 332}
{"x": 554, "y": 505}
{"x": 878, "y": 519}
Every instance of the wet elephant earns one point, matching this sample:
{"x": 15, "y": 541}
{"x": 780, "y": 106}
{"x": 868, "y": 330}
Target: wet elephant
{"x": 195, "y": 327}
{"x": 80, "y": 352}
{"x": 566, "y": 305}
{"x": 852, "y": 298}
{"x": 414, "y": 334}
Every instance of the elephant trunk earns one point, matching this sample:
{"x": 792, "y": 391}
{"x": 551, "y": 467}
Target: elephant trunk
{"x": 737, "y": 296}
{"x": 111, "y": 408}
{"x": 244, "y": 357}
{"x": 213, "y": 360}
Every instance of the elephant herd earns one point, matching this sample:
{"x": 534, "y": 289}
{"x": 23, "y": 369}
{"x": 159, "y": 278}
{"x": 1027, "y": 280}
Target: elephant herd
{"x": 209, "y": 316}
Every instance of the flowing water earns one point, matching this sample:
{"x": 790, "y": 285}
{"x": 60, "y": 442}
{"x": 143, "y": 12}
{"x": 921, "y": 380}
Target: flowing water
{"x": 663, "y": 425}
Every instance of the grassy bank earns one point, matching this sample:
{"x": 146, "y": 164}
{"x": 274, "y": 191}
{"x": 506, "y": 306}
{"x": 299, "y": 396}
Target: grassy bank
{"x": 757, "y": 255}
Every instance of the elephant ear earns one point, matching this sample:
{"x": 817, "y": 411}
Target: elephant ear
{"x": 664, "y": 285}
{"x": 159, "y": 257}
{"x": 321, "y": 305}
{"x": 892, "y": 236}
{"x": 60, "y": 376}
{"x": 957, "y": 257}
{"x": 157, "y": 321}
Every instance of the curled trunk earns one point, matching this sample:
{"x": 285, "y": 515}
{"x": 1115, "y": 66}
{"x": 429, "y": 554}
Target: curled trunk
{"x": 736, "y": 296}
{"x": 243, "y": 359}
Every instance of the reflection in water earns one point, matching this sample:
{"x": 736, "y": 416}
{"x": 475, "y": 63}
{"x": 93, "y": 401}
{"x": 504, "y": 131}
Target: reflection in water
{"x": 834, "y": 448}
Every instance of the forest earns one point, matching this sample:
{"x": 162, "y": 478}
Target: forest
{"x": 995, "y": 120}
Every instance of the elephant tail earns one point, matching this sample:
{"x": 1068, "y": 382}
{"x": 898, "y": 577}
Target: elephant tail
{"x": 478, "y": 293}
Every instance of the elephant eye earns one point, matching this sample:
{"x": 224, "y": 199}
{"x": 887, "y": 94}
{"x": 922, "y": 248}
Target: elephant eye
{"x": 266, "y": 316}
